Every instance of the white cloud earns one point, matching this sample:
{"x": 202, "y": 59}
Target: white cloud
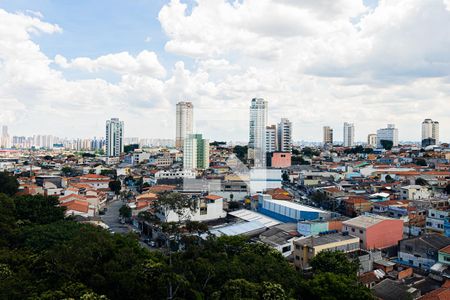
{"x": 316, "y": 66}
{"x": 145, "y": 63}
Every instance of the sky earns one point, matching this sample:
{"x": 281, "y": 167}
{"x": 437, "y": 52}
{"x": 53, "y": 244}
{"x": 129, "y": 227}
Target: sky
{"x": 68, "y": 66}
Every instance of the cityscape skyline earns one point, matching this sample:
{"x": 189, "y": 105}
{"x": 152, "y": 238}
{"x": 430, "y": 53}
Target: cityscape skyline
{"x": 77, "y": 70}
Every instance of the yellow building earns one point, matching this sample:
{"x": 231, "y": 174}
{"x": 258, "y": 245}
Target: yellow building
{"x": 306, "y": 248}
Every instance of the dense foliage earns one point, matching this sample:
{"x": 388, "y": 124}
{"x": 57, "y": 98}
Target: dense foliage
{"x": 130, "y": 148}
{"x": 8, "y": 184}
{"x": 241, "y": 152}
{"x": 44, "y": 255}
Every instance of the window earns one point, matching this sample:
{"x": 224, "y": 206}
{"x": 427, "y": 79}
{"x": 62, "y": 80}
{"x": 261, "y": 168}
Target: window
{"x": 353, "y": 229}
{"x": 297, "y": 257}
{"x": 446, "y": 258}
{"x": 286, "y": 249}
{"x": 360, "y": 231}
{"x": 408, "y": 248}
{"x": 297, "y": 247}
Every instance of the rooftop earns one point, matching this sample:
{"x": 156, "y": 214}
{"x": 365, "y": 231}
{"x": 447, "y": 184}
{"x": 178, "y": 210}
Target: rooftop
{"x": 324, "y": 239}
{"x": 366, "y": 221}
{"x": 296, "y": 206}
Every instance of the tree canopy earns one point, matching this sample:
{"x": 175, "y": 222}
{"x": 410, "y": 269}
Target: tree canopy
{"x": 44, "y": 255}
{"x": 8, "y": 184}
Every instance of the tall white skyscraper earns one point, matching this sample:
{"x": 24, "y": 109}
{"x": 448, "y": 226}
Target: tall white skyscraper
{"x": 257, "y": 136}
{"x": 349, "y": 134}
{"x": 114, "y": 137}
{"x": 390, "y": 133}
{"x": 185, "y": 122}
{"x": 285, "y": 135}
{"x": 5, "y": 140}
{"x": 271, "y": 139}
{"x": 430, "y": 132}
{"x": 327, "y": 135}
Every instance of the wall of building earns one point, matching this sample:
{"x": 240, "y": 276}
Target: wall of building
{"x": 384, "y": 234}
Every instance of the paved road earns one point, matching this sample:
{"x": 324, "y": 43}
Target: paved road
{"x": 111, "y": 218}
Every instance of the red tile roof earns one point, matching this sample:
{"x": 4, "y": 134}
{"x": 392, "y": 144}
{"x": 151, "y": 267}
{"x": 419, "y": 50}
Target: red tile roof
{"x": 76, "y": 205}
{"x": 445, "y": 249}
{"x": 213, "y": 197}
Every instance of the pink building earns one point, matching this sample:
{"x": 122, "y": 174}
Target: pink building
{"x": 281, "y": 160}
{"x": 375, "y": 232}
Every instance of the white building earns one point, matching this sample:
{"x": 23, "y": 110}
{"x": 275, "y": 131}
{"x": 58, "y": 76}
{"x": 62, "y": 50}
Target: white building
{"x": 257, "y": 136}
{"x": 271, "y": 139}
{"x": 327, "y": 135}
{"x": 208, "y": 208}
{"x": 415, "y": 192}
{"x": 372, "y": 140}
{"x": 430, "y": 131}
{"x": 436, "y": 219}
{"x": 349, "y": 134}
{"x": 175, "y": 174}
{"x": 114, "y": 137}
{"x": 184, "y": 122}
{"x": 264, "y": 179}
{"x": 196, "y": 152}
{"x": 390, "y": 133}
{"x": 5, "y": 140}
{"x": 285, "y": 135}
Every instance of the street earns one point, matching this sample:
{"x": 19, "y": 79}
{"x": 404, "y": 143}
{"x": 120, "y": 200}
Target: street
{"x": 111, "y": 218}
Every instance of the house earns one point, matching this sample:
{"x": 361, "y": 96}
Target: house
{"x": 415, "y": 192}
{"x": 389, "y": 289}
{"x": 442, "y": 293}
{"x": 78, "y": 208}
{"x": 280, "y": 237}
{"x": 374, "y": 231}
{"x": 207, "y": 208}
{"x": 95, "y": 181}
{"x": 307, "y": 228}
{"x": 354, "y": 206}
{"x": 421, "y": 252}
{"x": 444, "y": 255}
{"x": 436, "y": 219}
{"x": 306, "y": 248}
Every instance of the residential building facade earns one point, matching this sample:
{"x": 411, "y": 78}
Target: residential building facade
{"x": 114, "y": 137}
{"x": 257, "y": 132}
{"x": 349, "y": 134}
{"x": 284, "y": 135}
{"x": 184, "y": 122}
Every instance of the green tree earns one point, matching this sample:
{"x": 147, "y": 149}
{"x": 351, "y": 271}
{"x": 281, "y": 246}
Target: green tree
{"x": 241, "y": 152}
{"x": 110, "y": 173}
{"x": 421, "y": 181}
{"x": 67, "y": 171}
{"x": 130, "y": 148}
{"x": 421, "y": 162}
{"x": 125, "y": 212}
{"x": 387, "y": 144}
{"x": 334, "y": 262}
{"x": 447, "y": 189}
{"x": 236, "y": 289}
{"x": 7, "y": 219}
{"x": 115, "y": 186}
{"x": 332, "y": 286}
{"x": 319, "y": 197}
{"x": 8, "y": 184}
{"x": 38, "y": 209}
{"x": 389, "y": 179}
